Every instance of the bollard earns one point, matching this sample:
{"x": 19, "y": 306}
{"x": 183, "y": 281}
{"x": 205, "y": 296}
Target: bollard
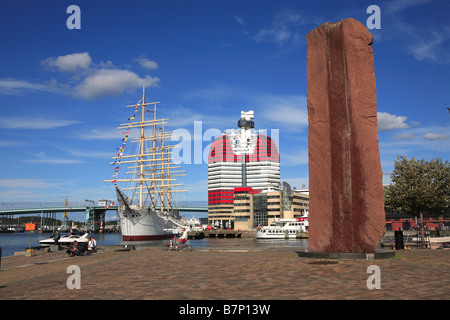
{"x": 399, "y": 240}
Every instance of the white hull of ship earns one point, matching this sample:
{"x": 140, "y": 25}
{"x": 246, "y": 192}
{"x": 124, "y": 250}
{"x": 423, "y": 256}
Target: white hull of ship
{"x": 141, "y": 224}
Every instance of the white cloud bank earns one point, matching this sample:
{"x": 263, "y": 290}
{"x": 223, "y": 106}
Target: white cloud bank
{"x": 26, "y": 183}
{"x": 146, "y": 63}
{"x": 93, "y": 81}
{"x": 33, "y": 123}
{"x": 435, "y": 136}
{"x": 15, "y": 87}
{"x": 387, "y": 121}
{"x": 112, "y": 82}
{"x": 69, "y": 63}
{"x": 284, "y": 28}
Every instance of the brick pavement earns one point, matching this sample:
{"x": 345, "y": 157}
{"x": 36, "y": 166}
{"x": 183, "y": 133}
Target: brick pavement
{"x": 230, "y": 275}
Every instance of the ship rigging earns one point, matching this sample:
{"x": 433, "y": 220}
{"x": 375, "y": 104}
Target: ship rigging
{"x": 147, "y": 174}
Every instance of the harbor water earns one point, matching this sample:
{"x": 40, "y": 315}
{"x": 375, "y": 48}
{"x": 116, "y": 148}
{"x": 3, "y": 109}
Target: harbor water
{"x": 19, "y": 241}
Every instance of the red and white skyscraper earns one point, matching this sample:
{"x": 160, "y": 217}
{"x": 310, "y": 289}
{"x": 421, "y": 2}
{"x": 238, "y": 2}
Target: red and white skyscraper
{"x": 243, "y": 158}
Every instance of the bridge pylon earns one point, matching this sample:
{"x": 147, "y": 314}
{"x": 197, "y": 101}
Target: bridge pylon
{"x": 95, "y": 219}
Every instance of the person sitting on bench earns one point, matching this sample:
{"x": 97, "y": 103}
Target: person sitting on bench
{"x": 74, "y": 249}
{"x": 92, "y": 244}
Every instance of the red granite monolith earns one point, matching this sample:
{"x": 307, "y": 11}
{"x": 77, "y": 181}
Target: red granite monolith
{"x": 345, "y": 179}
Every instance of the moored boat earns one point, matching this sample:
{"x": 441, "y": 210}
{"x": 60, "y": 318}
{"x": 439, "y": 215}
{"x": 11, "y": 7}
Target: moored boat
{"x": 284, "y": 229}
{"x": 66, "y": 240}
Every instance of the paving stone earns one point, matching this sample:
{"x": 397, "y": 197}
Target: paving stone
{"x": 154, "y": 274}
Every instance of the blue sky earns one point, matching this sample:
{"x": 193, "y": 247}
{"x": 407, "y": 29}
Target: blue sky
{"x": 63, "y": 92}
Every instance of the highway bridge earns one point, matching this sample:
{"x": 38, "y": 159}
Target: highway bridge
{"x": 94, "y": 215}
{"x": 14, "y": 211}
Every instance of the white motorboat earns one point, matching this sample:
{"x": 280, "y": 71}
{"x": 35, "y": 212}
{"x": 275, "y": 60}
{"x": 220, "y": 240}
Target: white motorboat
{"x": 284, "y": 229}
{"x": 66, "y": 240}
{"x": 193, "y": 224}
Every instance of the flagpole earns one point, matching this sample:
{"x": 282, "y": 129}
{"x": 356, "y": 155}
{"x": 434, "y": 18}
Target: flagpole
{"x": 29, "y": 241}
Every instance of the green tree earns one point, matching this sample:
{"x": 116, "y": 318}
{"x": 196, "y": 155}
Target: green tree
{"x": 419, "y": 186}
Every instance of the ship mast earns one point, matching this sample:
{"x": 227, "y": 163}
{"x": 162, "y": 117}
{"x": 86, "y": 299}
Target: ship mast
{"x": 154, "y": 156}
{"x": 150, "y": 166}
{"x": 142, "y": 139}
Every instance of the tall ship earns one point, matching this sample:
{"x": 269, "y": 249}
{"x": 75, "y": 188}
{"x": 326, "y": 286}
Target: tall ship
{"x": 145, "y": 177}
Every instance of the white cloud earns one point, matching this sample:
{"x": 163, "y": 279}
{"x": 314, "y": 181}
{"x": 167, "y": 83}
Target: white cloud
{"x": 147, "y": 64}
{"x": 25, "y": 183}
{"x": 400, "y": 5}
{"x": 240, "y": 19}
{"x": 12, "y": 143}
{"x": 294, "y": 157}
{"x": 387, "y": 121}
{"x": 23, "y": 192}
{"x": 41, "y": 157}
{"x": 112, "y": 82}
{"x": 101, "y": 134}
{"x": 419, "y": 38}
{"x": 15, "y": 87}
{"x": 21, "y": 195}
{"x": 99, "y": 80}
{"x": 69, "y": 63}
{"x": 289, "y": 111}
{"x": 74, "y": 152}
{"x": 284, "y": 28}
{"x": 430, "y": 46}
{"x": 34, "y": 123}
{"x": 182, "y": 117}
{"x": 416, "y": 142}
{"x": 405, "y": 136}
{"x": 56, "y": 161}
{"x": 435, "y": 136}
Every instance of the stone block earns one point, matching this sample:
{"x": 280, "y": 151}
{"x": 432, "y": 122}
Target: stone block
{"x": 345, "y": 178}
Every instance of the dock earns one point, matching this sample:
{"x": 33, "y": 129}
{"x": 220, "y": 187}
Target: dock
{"x": 302, "y": 235}
{"x": 221, "y": 234}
